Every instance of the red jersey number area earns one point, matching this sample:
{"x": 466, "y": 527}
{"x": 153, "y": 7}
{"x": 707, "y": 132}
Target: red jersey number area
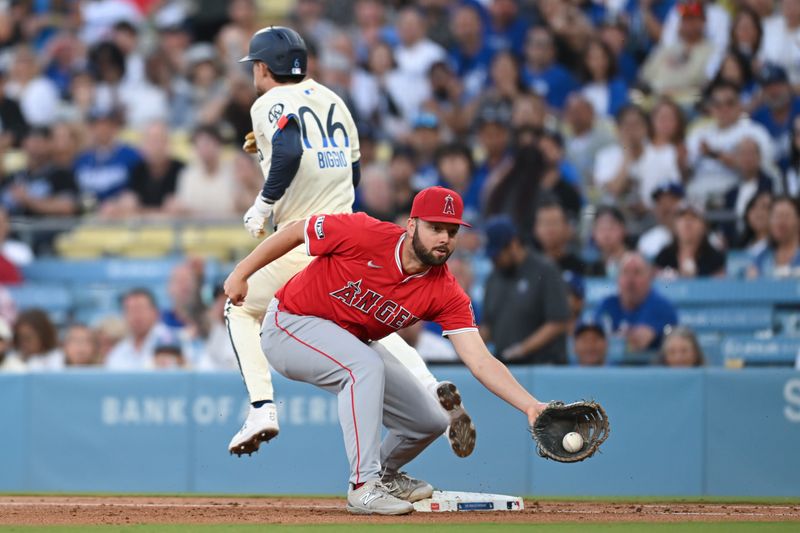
{"x": 358, "y": 282}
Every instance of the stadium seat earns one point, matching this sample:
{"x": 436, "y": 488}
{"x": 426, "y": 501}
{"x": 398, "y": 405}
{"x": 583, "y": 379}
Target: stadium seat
{"x": 100, "y": 271}
{"x": 93, "y": 241}
{"x": 708, "y": 291}
{"x": 727, "y": 318}
{"x": 223, "y": 242}
{"x": 747, "y": 350}
{"x": 737, "y": 263}
{"x": 55, "y": 299}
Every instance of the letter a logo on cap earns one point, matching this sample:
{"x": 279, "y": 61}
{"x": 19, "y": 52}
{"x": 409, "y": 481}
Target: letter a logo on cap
{"x": 448, "y": 206}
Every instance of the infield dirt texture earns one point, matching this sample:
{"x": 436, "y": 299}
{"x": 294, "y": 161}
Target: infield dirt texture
{"x": 230, "y": 514}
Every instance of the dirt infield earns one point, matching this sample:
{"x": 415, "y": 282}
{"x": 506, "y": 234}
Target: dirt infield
{"x": 76, "y": 510}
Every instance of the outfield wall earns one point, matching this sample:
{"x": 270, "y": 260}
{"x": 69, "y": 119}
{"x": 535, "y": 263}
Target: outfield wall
{"x": 673, "y": 432}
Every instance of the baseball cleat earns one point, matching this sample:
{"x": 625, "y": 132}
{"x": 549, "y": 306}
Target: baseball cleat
{"x": 461, "y": 432}
{"x": 373, "y": 498}
{"x": 401, "y": 485}
{"x": 260, "y": 426}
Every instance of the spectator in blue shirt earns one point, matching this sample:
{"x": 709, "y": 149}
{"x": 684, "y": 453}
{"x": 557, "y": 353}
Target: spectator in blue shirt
{"x": 638, "y": 313}
{"x": 103, "y": 172}
{"x": 778, "y": 109}
{"x": 505, "y": 29}
{"x": 781, "y": 258}
{"x": 541, "y": 73}
{"x": 471, "y": 54}
{"x": 607, "y": 92}
{"x": 614, "y": 32}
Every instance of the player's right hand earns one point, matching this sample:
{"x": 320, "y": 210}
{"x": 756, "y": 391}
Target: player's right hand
{"x": 256, "y": 217}
{"x": 235, "y": 289}
{"x": 250, "y": 145}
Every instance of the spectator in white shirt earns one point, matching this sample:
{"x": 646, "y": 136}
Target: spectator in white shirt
{"x": 36, "y": 341}
{"x": 384, "y": 96}
{"x": 137, "y": 350}
{"x": 218, "y": 353}
{"x": 782, "y": 39}
{"x": 18, "y": 252}
{"x": 666, "y": 201}
{"x": 629, "y": 172}
{"x": 711, "y": 147}
{"x": 585, "y": 135}
{"x": 416, "y": 53}
{"x": 126, "y": 36}
{"x": 37, "y": 96}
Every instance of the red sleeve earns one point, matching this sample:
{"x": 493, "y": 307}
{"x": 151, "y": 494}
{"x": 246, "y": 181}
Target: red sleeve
{"x": 455, "y": 315}
{"x": 332, "y": 234}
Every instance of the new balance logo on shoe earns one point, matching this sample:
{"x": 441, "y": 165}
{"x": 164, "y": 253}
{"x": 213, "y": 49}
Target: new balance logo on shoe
{"x": 369, "y": 497}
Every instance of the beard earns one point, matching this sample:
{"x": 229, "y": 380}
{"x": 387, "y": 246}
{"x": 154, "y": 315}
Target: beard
{"x": 426, "y": 256}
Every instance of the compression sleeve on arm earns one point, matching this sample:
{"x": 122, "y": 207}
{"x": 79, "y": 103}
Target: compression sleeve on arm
{"x": 287, "y": 151}
{"x": 356, "y": 173}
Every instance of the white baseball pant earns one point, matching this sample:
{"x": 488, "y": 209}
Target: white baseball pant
{"x": 372, "y": 386}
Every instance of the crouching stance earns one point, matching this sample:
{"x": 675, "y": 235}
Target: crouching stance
{"x": 368, "y": 280}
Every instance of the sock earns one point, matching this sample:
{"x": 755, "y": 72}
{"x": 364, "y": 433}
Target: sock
{"x": 357, "y": 486}
{"x": 260, "y": 403}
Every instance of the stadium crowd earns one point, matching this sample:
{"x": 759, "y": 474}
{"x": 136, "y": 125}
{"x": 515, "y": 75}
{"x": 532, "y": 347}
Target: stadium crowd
{"x": 625, "y": 139}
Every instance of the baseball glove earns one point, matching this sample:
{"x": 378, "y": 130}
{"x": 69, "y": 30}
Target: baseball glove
{"x": 249, "y": 145}
{"x": 587, "y": 418}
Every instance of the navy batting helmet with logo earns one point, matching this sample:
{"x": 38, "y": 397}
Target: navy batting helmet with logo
{"x": 281, "y": 49}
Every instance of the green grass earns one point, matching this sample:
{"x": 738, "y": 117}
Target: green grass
{"x": 700, "y": 527}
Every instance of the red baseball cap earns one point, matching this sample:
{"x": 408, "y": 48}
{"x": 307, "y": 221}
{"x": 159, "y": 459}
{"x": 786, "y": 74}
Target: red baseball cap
{"x": 437, "y": 204}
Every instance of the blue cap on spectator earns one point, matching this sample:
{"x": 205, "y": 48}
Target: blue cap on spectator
{"x": 575, "y": 284}
{"x": 675, "y": 189}
{"x": 772, "y": 73}
{"x": 426, "y": 120}
{"x": 589, "y": 326}
{"x": 500, "y": 231}
{"x": 168, "y": 342}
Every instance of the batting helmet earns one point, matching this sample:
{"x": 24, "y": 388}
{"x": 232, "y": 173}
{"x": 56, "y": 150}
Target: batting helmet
{"x": 281, "y": 49}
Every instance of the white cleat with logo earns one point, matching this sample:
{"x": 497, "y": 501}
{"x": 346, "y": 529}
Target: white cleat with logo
{"x": 260, "y": 426}
{"x": 373, "y": 498}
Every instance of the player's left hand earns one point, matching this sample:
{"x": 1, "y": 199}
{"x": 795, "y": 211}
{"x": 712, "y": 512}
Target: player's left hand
{"x": 588, "y": 418}
{"x": 257, "y": 216}
{"x": 235, "y": 289}
{"x": 534, "y": 411}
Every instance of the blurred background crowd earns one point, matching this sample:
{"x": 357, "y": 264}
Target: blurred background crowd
{"x": 634, "y": 141}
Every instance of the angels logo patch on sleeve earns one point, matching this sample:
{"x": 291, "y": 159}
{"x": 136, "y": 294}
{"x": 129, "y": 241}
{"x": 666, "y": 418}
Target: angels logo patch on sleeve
{"x": 318, "y": 227}
{"x": 275, "y": 113}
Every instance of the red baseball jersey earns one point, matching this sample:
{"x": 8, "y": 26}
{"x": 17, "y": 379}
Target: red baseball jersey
{"x": 358, "y": 282}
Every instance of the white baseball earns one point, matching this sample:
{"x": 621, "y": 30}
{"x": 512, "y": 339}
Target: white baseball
{"x": 572, "y": 442}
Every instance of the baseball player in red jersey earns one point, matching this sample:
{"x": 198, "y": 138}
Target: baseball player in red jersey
{"x": 368, "y": 280}
{"x": 307, "y": 145}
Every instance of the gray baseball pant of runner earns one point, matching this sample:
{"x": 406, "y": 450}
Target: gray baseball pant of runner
{"x": 372, "y": 387}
